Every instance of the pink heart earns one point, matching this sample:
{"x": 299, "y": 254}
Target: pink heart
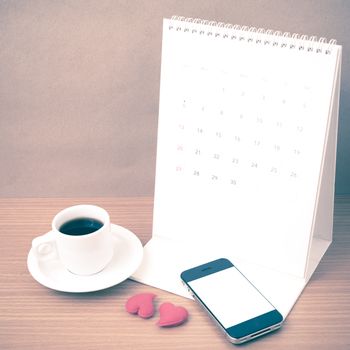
{"x": 141, "y": 304}
{"x": 171, "y": 315}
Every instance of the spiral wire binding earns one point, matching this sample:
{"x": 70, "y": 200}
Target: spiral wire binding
{"x": 261, "y": 36}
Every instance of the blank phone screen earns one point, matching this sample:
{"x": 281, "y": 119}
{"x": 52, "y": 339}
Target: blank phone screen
{"x": 230, "y": 297}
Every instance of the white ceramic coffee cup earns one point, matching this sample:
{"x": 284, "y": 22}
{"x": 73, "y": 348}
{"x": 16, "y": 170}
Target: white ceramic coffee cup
{"x": 83, "y": 254}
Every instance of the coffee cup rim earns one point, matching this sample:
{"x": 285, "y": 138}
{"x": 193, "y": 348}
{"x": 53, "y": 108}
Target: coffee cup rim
{"x": 58, "y": 221}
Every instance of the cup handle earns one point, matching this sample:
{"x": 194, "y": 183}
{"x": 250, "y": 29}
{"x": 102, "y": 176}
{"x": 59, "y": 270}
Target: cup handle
{"x": 44, "y": 247}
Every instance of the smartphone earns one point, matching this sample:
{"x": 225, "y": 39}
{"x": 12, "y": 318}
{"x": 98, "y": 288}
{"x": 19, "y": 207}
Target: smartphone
{"x": 239, "y": 309}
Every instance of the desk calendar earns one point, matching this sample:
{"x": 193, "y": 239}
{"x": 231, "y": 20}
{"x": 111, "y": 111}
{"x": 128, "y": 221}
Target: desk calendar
{"x": 246, "y": 155}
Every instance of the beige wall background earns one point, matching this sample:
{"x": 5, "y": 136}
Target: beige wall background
{"x": 79, "y": 85}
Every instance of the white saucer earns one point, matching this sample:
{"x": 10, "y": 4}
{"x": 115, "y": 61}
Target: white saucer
{"x": 126, "y": 259}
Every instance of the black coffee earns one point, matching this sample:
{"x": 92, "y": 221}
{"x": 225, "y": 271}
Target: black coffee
{"x": 80, "y": 226}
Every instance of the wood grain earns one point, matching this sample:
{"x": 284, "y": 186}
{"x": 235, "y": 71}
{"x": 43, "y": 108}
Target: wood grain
{"x": 34, "y": 317}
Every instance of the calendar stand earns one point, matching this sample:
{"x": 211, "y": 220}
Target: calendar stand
{"x": 246, "y": 156}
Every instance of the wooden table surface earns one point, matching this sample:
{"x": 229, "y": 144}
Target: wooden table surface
{"x": 34, "y": 317}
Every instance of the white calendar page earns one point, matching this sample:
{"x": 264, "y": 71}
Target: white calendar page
{"x": 241, "y": 138}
